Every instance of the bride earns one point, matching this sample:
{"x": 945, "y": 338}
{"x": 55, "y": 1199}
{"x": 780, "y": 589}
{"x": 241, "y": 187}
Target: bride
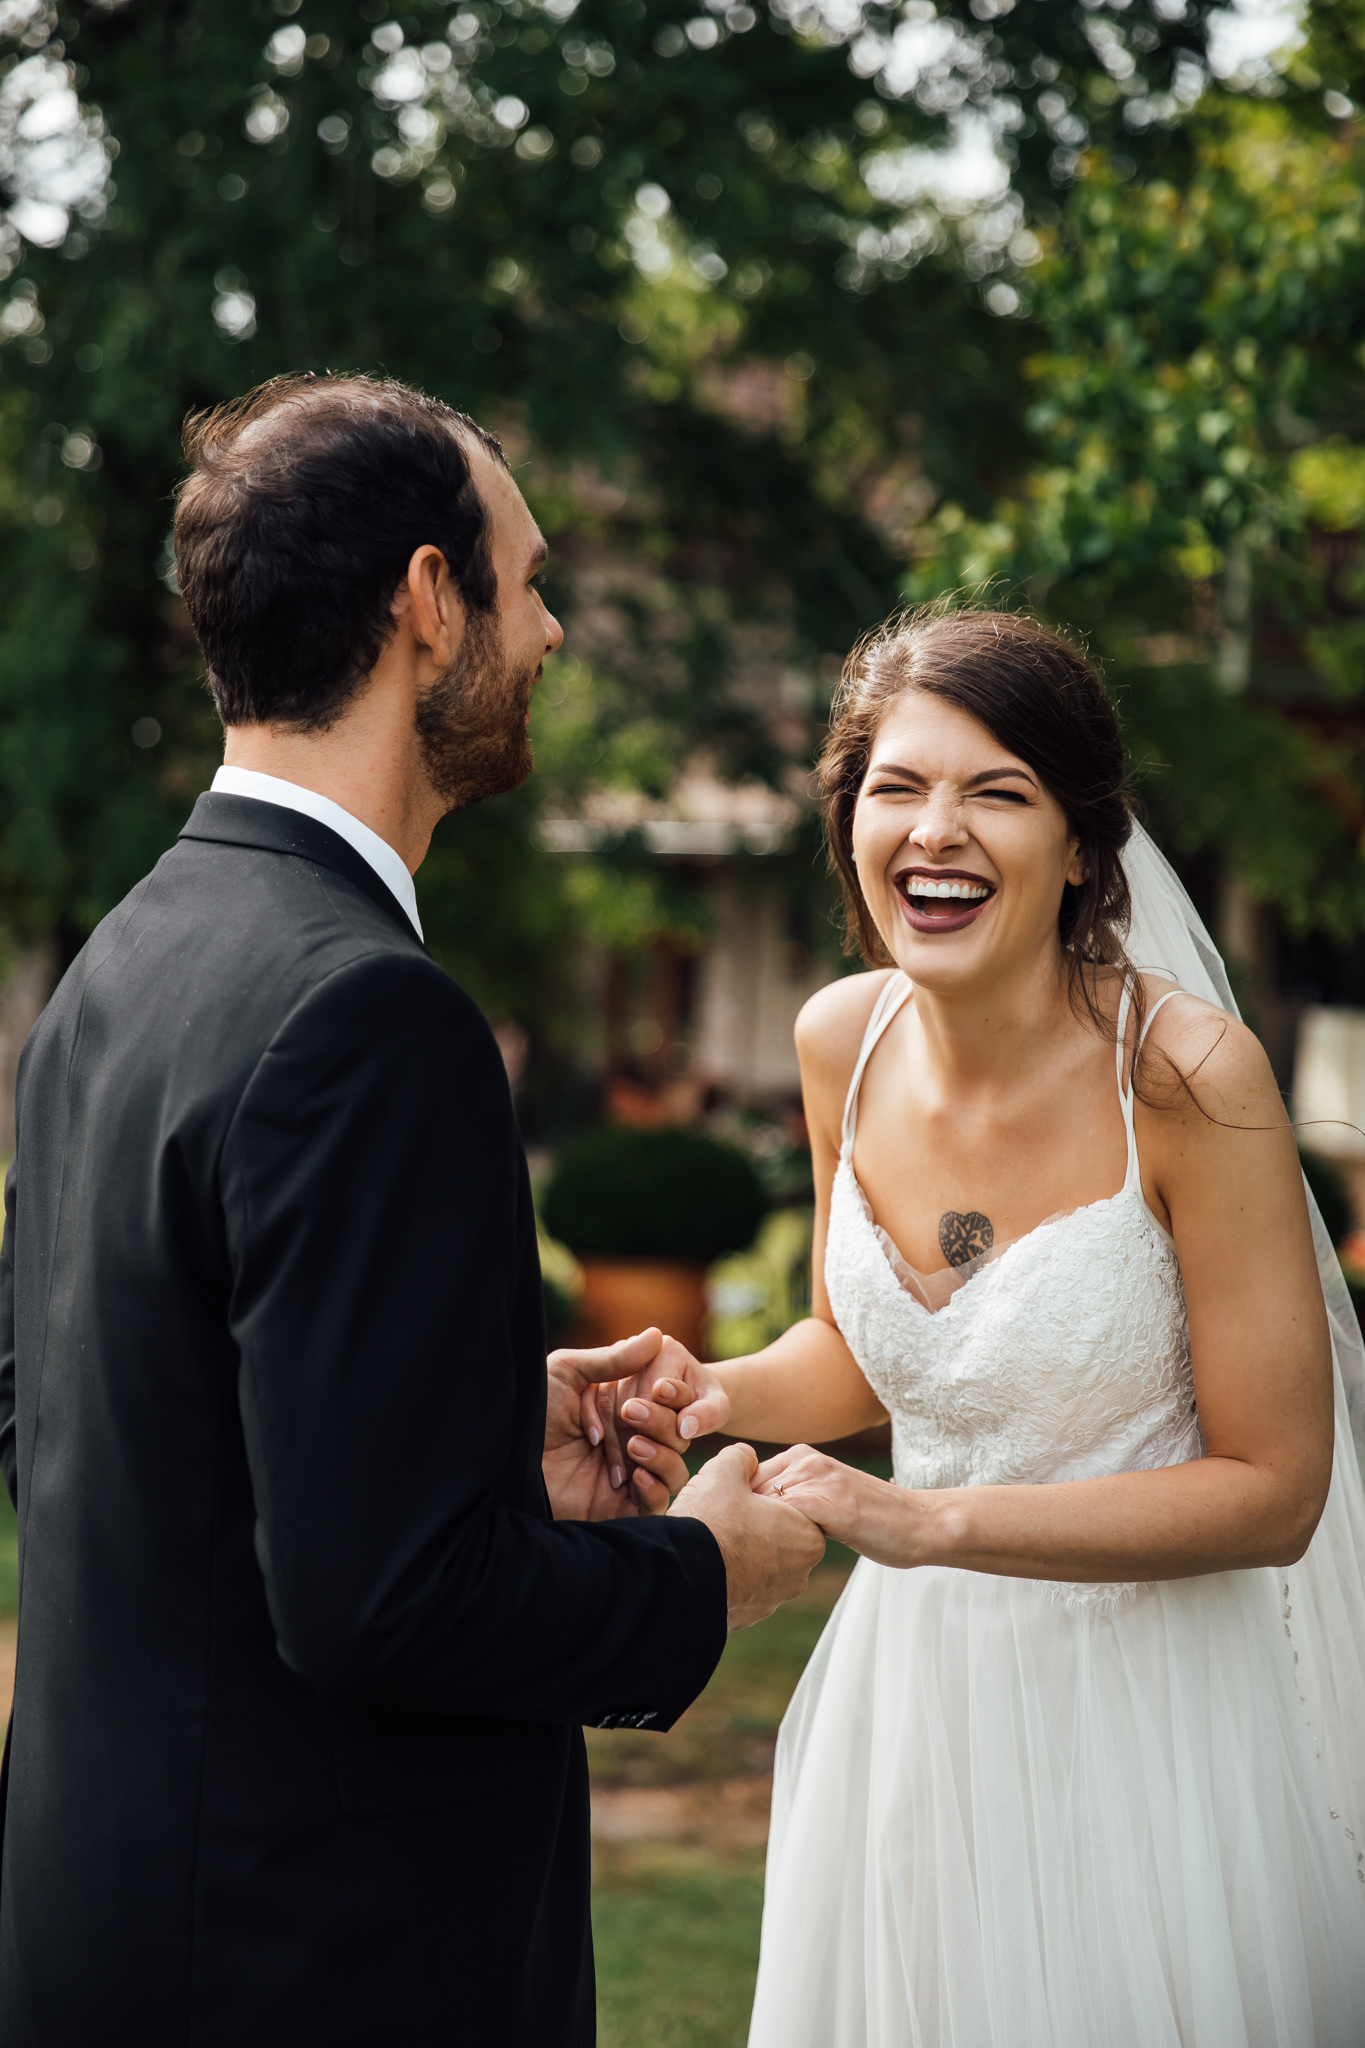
{"x": 1078, "y": 1760}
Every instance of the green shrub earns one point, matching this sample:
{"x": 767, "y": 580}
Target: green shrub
{"x": 623, "y": 1193}
{"x": 558, "y": 1312}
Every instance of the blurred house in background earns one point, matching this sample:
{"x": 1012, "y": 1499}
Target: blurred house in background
{"x": 683, "y": 1023}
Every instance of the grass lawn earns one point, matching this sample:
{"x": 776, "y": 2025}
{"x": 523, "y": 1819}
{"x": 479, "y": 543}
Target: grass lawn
{"x": 731, "y": 1731}
{"x": 677, "y": 1945}
{"x": 677, "y": 1919}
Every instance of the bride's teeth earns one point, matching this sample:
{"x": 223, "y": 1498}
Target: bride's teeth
{"x": 971, "y": 892}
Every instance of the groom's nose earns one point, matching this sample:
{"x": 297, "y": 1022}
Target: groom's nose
{"x": 554, "y": 632}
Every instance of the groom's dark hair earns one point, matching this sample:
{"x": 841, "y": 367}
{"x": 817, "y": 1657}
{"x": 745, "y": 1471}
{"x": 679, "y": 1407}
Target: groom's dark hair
{"x": 305, "y": 502}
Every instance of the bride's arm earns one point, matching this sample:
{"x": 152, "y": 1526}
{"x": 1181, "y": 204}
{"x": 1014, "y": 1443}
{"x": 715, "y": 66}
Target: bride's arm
{"x": 1261, "y": 1356}
{"x": 807, "y": 1385}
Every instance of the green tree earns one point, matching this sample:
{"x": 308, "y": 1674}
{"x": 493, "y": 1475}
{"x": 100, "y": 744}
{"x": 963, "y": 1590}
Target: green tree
{"x": 600, "y": 228}
{"x": 1199, "y": 485}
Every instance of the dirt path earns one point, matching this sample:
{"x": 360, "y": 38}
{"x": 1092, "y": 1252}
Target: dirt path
{"x": 730, "y": 1813}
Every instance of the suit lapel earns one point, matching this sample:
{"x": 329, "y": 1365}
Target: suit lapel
{"x": 246, "y": 821}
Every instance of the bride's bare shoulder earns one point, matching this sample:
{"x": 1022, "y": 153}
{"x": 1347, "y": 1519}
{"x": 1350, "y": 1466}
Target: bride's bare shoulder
{"x": 1203, "y": 1060}
{"x": 830, "y": 1028}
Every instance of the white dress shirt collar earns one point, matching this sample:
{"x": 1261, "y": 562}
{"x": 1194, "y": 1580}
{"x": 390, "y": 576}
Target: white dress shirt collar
{"x": 290, "y": 796}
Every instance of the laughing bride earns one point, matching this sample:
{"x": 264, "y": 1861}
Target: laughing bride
{"x": 1080, "y": 1759}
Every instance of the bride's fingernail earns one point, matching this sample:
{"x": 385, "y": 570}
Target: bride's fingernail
{"x": 617, "y": 1476}
{"x": 688, "y": 1426}
{"x": 594, "y": 1436}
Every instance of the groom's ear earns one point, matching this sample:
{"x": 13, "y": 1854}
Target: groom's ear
{"x": 429, "y": 607}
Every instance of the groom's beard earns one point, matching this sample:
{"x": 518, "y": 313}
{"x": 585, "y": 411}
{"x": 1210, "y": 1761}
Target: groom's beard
{"x": 471, "y": 724}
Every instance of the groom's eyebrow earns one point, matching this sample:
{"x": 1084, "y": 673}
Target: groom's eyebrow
{"x": 540, "y": 554}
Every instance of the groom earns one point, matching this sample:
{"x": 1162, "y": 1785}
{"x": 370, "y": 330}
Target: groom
{"x": 303, "y": 1645}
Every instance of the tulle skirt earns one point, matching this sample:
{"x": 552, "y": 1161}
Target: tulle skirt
{"x": 1003, "y": 1822}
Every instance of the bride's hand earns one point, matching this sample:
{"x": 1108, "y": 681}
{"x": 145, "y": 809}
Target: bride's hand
{"x": 682, "y": 1383}
{"x": 879, "y": 1520}
{"x": 660, "y": 1410}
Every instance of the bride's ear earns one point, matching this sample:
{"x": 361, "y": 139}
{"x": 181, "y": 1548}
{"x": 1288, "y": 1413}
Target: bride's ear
{"x": 1078, "y": 868}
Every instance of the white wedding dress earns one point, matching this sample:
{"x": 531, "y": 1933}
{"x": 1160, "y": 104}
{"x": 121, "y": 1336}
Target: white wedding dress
{"x": 1010, "y": 1813}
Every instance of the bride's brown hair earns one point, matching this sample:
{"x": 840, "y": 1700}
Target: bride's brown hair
{"x": 1038, "y": 696}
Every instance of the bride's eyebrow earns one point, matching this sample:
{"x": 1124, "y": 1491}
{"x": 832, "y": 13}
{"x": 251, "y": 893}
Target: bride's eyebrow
{"x": 1000, "y": 775}
{"x": 971, "y": 782}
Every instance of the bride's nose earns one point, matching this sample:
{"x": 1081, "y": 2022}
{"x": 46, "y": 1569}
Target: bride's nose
{"x": 939, "y": 827}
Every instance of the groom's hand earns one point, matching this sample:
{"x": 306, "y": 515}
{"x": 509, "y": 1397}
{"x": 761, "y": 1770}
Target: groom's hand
{"x": 591, "y": 1473}
{"x": 769, "y": 1555}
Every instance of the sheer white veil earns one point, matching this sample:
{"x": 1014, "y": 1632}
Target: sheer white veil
{"x": 1324, "y": 1594}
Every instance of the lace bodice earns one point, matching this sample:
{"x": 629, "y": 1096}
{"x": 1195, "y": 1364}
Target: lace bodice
{"x": 1065, "y": 1356}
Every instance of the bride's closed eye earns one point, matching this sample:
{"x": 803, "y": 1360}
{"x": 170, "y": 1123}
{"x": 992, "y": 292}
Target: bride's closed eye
{"x": 894, "y": 787}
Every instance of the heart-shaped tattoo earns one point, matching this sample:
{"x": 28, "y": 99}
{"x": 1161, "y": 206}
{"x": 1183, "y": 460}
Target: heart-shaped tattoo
{"x": 963, "y": 1236}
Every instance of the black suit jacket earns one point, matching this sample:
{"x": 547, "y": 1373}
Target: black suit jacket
{"x": 294, "y": 1756}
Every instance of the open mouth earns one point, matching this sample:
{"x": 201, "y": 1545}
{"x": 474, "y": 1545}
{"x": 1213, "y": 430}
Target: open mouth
{"x": 942, "y": 900}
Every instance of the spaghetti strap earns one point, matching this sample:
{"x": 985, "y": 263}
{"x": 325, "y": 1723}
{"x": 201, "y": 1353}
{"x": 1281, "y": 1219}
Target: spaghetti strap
{"x": 1151, "y": 1014}
{"x": 1126, "y": 1099}
{"x": 893, "y": 996}
{"x": 1121, "y": 1030}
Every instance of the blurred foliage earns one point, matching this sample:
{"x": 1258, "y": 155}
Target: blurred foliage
{"x": 760, "y": 364}
{"x": 559, "y": 1311}
{"x": 1199, "y": 487}
{"x": 618, "y": 1192}
{"x": 777, "y": 1146}
{"x": 756, "y": 1295}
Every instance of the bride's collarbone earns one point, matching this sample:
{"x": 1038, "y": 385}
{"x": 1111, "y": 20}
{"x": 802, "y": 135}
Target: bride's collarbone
{"x": 943, "y": 1202}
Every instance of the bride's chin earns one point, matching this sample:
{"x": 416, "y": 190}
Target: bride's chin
{"x": 946, "y": 961}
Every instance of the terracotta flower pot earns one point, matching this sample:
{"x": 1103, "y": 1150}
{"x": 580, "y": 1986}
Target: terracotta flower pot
{"x": 621, "y": 1296}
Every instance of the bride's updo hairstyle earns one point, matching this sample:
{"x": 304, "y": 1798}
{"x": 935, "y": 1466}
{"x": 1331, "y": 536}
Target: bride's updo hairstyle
{"x": 1042, "y": 700}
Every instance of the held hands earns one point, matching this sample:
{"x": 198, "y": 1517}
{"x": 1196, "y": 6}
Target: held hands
{"x": 889, "y": 1524}
{"x": 596, "y": 1431}
{"x": 614, "y": 1436}
{"x": 668, "y": 1387}
{"x": 674, "y": 1398}
{"x": 645, "y": 1400}
{"x": 770, "y": 1548}
{"x": 596, "y": 1475}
